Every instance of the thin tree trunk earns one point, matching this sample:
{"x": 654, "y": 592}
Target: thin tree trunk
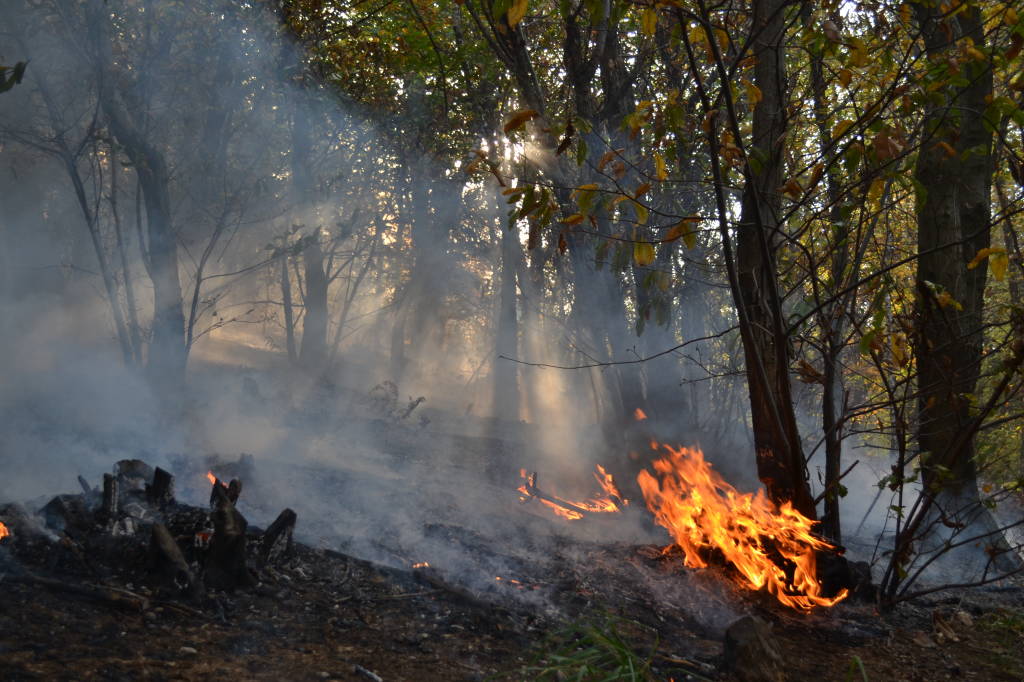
{"x": 780, "y": 460}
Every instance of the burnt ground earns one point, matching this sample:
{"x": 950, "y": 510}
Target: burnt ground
{"x": 92, "y": 610}
{"x": 321, "y": 615}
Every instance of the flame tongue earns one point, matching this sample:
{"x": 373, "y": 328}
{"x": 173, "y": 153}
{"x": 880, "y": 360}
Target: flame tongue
{"x": 702, "y": 512}
{"x": 3, "y": 531}
{"x": 611, "y": 501}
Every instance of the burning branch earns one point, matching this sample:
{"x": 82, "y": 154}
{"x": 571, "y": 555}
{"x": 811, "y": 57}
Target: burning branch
{"x": 574, "y": 511}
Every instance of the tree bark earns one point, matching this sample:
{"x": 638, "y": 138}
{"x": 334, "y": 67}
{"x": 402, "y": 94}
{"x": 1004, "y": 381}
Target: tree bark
{"x": 954, "y": 223}
{"x": 780, "y": 460}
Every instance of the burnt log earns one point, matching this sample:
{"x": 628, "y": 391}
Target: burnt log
{"x": 277, "y": 539}
{"x": 134, "y": 473}
{"x": 67, "y": 513}
{"x": 86, "y": 488}
{"x": 160, "y": 492}
{"x": 168, "y": 567}
{"x": 752, "y": 653}
{"x": 225, "y": 567}
{"x": 108, "y": 509}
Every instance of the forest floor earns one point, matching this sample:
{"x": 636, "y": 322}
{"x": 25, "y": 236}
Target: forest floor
{"x": 327, "y": 616}
{"x": 398, "y": 494}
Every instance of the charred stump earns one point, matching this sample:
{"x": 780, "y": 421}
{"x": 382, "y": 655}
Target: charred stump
{"x": 225, "y": 567}
{"x": 160, "y": 492}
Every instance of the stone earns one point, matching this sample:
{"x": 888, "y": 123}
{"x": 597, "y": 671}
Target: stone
{"x": 752, "y": 652}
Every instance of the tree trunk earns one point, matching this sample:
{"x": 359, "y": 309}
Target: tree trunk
{"x": 780, "y": 460}
{"x": 313, "y": 347}
{"x": 167, "y": 350}
{"x": 954, "y": 223}
{"x": 506, "y": 372}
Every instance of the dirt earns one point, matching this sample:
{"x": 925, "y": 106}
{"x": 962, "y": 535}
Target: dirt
{"x": 322, "y": 615}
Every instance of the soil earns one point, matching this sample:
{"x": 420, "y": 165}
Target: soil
{"x": 322, "y": 615}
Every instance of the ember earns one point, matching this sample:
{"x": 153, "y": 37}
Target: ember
{"x": 773, "y": 548}
{"x": 612, "y": 501}
{"x": 3, "y": 531}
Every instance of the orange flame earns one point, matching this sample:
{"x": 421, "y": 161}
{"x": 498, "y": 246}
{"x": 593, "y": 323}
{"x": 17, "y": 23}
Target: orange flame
{"x": 211, "y": 478}
{"x": 421, "y": 564}
{"x": 3, "y": 531}
{"x": 573, "y": 510}
{"x": 702, "y": 511}
{"x": 639, "y": 414}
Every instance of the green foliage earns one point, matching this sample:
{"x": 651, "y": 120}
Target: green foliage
{"x": 588, "y": 652}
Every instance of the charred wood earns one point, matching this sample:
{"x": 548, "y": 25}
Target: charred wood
{"x": 86, "y": 488}
{"x": 67, "y": 513}
{"x": 225, "y": 567}
{"x": 160, "y": 492}
{"x": 277, "y": 539}
{"x": 169, "y": 569}
{"x": 109, "y": 595}
{"x": 108, "y": 510}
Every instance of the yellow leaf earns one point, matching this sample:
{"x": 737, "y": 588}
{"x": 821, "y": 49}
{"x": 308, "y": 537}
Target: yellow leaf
{"x": 641, "y": 212}
{"x": 845, "y": 76}
{"x": 792, "y": 189}
{"x": 641, "y": 190}
{"x": 841, "y": 128}
{"x": 649, "y": 21}
{"x": 753, "y": 92}
{"x": 698, "y": 37}
{"x": 1011, "y": 17}
{"x": 589, "y": 187}
{"x": 858, "y": 53}
{"x": 516, "y": 11}
{"x": 574, "y": 219}
{"x": 518, "y": 119}
{"x": 999, "y": 263}
{"x": 875, "y": 190}
{"x": 946, "y": 299}
{"x": 659, "y": 167}
{"x": 643, "y": 253}
{"x": 816, "y": 173}
{"x": 983, "y": 254}
{"x": 684, "y": 229}
{"x": 723, "y": 39}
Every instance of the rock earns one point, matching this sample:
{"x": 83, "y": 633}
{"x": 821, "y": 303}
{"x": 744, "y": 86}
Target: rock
{"x": 752, "y": 653}
{"x": 188, "y": 650}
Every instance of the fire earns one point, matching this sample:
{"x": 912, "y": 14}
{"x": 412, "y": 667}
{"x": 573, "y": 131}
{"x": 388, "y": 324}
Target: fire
{"x": 421, "y": 564}
{"x": 611, "y": 501}
{"x": 211, "y": 478}
{"x": 3, "y": 531}
{"x": 703, "y": 512}
{"x": 639, "y": 414}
